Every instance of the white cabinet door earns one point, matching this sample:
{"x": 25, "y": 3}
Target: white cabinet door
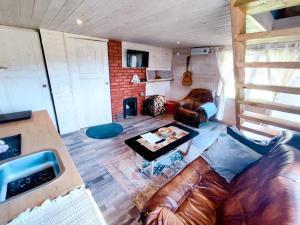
{"x": 88, "y": 64}
{"x": 23, "y": 85}
{"x": 58, "y": 71}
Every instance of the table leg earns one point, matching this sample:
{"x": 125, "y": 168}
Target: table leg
{"x": 152, "y": 163}
{"x": 187, "y": 149}
{"x": 152, "y": 168}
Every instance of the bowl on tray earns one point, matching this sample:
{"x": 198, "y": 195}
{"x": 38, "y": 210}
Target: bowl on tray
{"x": 166, "y": 132}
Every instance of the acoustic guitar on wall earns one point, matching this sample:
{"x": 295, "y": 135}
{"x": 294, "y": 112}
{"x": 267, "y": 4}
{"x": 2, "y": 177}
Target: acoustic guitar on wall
{"x": 187, "y": 75}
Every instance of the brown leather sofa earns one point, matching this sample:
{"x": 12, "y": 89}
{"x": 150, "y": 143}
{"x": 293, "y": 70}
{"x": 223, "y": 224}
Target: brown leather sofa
{"x": 267, "y": 193}
{"x": 189, "y": 111}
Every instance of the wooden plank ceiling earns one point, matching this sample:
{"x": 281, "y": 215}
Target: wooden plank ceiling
{"x": 162, "y": 23}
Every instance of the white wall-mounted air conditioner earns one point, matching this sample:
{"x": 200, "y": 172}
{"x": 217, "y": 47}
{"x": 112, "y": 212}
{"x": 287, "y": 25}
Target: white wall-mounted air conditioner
{"x": 200, "y": 51}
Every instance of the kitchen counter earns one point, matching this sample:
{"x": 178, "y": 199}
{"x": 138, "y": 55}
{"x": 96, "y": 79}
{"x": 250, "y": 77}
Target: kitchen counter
{"x": 39, "y": 133}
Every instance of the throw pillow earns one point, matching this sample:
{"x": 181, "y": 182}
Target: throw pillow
{"x": 228, "y": 157}
{"x": 261, "y": 147}
{"x": 291, "y": 138}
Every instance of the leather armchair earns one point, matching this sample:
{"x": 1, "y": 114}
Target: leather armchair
{"x": 267, "y": 193}
{"x": 189, "y": 109}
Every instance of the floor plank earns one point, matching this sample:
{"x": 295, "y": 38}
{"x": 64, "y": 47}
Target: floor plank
{"x": 89, "y": 156}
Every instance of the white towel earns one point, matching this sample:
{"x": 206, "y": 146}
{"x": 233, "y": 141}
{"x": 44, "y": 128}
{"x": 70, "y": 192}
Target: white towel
{"x": 210, "y": 109}
{"x": 76, "y": 208}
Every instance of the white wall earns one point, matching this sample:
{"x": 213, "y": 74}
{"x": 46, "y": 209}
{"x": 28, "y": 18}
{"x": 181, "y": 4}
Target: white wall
{"x": 158, "y": 88}
{"x": 56, "y": 59}
{"x": 205, "y": 73}
{"x": 159, "y": 58}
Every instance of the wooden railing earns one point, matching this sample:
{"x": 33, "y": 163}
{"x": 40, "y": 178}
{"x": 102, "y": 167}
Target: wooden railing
{"x": 240, "y": 39}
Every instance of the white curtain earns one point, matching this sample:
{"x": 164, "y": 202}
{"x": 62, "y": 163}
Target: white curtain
{"x": 268, "y": 76}
{"x": 292, "y": 79}
{"x": 278, "y": 77}
{"x": 263, "y": 76}
{"x": 226, "y": 88}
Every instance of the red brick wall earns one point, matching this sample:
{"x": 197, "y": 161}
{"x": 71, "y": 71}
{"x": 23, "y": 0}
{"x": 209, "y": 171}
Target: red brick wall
{"x": 120, "y": 85}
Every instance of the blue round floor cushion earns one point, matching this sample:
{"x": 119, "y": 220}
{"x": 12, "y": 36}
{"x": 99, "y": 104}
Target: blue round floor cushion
{"x": 104, "y": 131}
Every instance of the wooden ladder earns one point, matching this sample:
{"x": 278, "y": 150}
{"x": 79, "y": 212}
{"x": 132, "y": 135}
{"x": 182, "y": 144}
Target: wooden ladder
{"x": 240, "y": 39}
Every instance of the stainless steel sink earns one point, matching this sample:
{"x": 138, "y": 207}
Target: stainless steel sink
{"x": 28, "y": 172}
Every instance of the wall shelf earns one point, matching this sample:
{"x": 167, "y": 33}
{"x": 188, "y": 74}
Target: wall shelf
{"x": 165, "y": 75}
{"x": 159, "y": 80}
{"x": 154, "y": 81}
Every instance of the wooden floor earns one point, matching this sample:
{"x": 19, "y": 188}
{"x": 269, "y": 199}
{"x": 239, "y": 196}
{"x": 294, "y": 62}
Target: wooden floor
{"x": 89, "y": 155}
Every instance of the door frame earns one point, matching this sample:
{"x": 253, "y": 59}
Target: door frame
{"x": 48, "y": 81}
{"x": 82, "y": 37}
{"x": 44, "y": 64}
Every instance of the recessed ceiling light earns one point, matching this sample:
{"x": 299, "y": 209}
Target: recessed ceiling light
{"x": 178, "y": 42}
{"x": 79, "y": 22}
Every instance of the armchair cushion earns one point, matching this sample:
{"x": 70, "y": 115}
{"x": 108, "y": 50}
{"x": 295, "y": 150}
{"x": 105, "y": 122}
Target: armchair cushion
{"x": 189, "y": 109}
{"x": 188, "y": 113}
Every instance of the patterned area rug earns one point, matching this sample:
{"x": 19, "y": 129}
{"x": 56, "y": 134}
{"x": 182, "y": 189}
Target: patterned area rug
{"x": 136, "y": 183}
{"x": 139, "y": 186}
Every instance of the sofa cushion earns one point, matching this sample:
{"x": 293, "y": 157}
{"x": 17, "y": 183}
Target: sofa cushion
{"x": 261, "y": 147}
{"x": 229, "y": 157}
{"x": 268, "y": 193}
{"x": 180, "y": 186}
{"x": 195, "y": 194}
{"x": 164, "y": 216}
{"x": 202, "y": 204}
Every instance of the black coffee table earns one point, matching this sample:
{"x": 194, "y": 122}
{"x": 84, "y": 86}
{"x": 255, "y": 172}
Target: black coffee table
{"x": 153, "y": 156}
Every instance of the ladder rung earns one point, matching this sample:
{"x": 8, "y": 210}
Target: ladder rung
{"x": 254, "y": 6}
{"x": 283, "y": 65}
{"x": 271, "y": 105}
{"x": 277, "y": 122}
{"x": 260, "y": 130}
{"x": 280, "y": 89}
{"x": 283, "y": 35}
